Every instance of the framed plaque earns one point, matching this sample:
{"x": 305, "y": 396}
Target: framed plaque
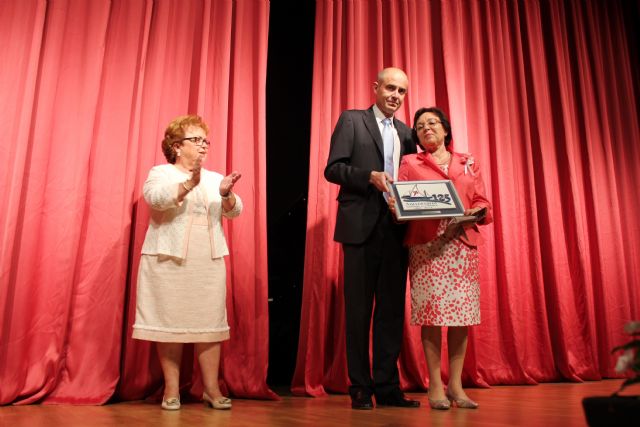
{"x": 426, "y": 199}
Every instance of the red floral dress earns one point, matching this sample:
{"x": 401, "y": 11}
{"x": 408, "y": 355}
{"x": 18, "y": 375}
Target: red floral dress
{"x": 445, "y": 283}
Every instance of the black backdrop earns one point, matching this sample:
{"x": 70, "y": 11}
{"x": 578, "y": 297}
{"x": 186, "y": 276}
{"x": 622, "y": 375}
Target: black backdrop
{"x": 289, "y": 79}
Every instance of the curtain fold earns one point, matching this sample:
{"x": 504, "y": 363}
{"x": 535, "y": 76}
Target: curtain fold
{"x": 86, "y": 101}
{"x": 541, "y": 93}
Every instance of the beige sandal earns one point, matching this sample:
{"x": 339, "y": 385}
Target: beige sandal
{"x": 171, "y": 404}
{"x": 219, "y": 403}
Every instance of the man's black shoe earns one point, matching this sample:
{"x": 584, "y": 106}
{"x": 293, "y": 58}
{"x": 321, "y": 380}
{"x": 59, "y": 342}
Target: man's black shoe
{"x": 361, "y": 400}
{"x": 397, "y": 399}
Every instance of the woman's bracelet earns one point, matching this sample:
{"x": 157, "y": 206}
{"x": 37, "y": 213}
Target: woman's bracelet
{"x": 226, "y": 197}
{"x": 184, "y": 184}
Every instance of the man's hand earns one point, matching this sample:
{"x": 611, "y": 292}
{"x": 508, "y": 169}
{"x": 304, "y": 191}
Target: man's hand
{"x": 379, "y": 180}
{"x": 392, "y": 208}
{"x": 392, "y": 205}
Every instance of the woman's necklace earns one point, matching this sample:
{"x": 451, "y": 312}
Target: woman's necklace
{"x": 440, "y": 163}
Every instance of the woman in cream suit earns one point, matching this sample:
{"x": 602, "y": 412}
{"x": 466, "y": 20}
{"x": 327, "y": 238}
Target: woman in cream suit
{"x": 181, "y": 295}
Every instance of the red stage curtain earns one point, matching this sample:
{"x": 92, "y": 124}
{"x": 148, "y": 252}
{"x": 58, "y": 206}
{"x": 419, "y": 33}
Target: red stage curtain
{"x": 87, "y": 88}
{"x": 542, "y": 94}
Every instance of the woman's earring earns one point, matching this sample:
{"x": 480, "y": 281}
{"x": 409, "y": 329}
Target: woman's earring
{"x": 178, "y": 153}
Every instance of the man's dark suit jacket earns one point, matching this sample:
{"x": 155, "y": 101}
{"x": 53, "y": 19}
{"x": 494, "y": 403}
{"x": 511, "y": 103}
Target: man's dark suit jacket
{"x": 356, "y": 150}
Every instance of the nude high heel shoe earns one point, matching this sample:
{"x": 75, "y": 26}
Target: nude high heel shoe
{"x": 441, "y": 404}
{"x": 462, "y": 403}
{"x": 219, "y": 403}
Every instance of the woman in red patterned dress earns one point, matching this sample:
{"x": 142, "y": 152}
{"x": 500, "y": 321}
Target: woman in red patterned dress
{"x": 443, "y": 266}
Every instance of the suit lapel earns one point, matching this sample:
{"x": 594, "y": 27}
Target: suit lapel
{"x": 456, "y": 168}
{"x": 372, "y": 126}
{"x": 401, "y": 135}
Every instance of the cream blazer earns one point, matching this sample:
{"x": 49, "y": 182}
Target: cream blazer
{"x": 170, "y": 222}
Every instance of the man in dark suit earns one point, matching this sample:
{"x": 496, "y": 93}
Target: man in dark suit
{"x": 366, "y": 147}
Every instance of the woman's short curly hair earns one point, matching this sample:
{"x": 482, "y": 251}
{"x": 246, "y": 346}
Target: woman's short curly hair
{"x": 176, "y": 131}
{"x": 444, "y": 120}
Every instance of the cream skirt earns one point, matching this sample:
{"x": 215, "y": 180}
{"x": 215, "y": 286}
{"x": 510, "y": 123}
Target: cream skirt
{"x": 182, "y": 300}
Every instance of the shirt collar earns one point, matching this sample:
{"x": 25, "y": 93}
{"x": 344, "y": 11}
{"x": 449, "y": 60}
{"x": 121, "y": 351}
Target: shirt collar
{"x": 380, "y": 115}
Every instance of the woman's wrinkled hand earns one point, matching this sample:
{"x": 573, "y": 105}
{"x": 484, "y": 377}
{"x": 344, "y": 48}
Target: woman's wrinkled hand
{"x": 472, "y": 211}
{"x": 227, "y": 183}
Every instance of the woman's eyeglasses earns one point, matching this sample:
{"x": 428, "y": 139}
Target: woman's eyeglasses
{"x": 432, "y": 123}
{"x": 198, "y": 141}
